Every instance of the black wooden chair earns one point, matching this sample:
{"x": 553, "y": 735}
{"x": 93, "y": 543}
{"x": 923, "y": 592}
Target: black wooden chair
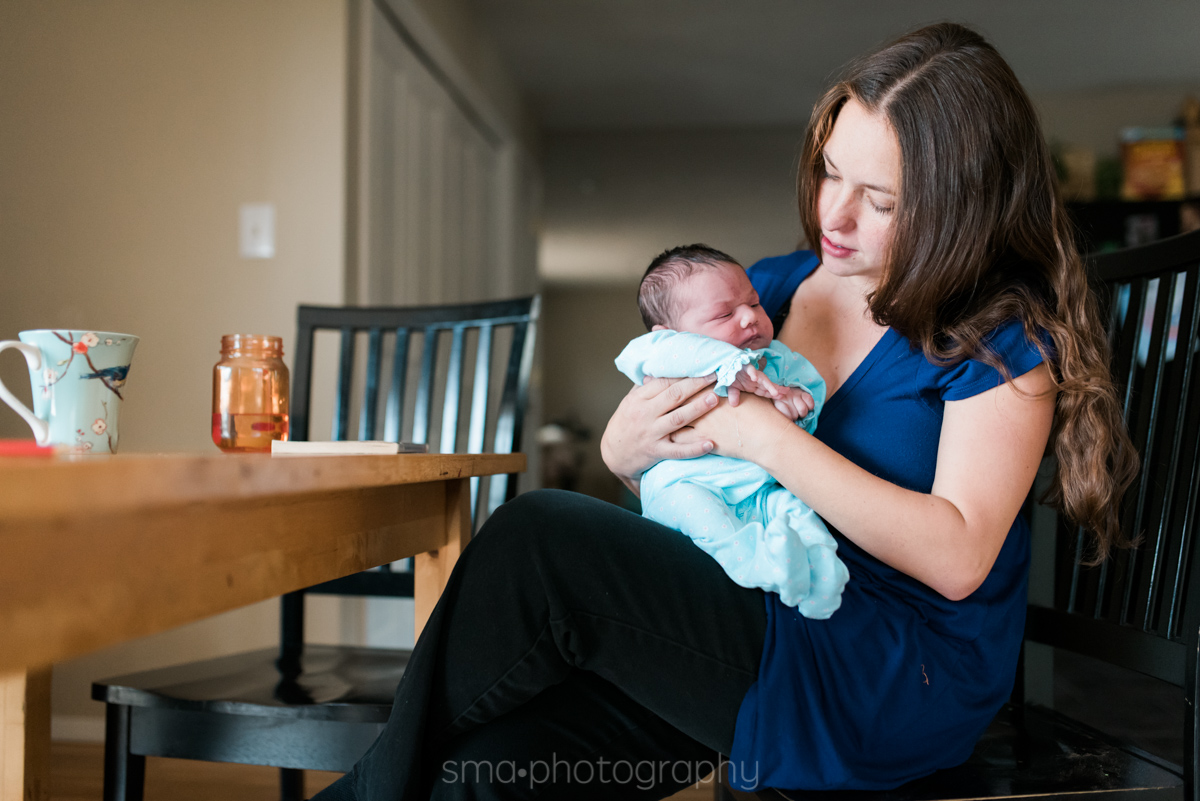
{"x": 1140, "y": 611}
{"x": 319, "y": 707}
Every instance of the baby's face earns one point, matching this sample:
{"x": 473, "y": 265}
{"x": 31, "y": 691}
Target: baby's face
{"x": 720, "y": 302}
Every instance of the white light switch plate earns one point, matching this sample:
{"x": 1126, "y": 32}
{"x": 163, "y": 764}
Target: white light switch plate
{"x": 257, "y": 230}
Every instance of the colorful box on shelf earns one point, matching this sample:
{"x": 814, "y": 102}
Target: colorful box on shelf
{"x": 1152, "y": 160}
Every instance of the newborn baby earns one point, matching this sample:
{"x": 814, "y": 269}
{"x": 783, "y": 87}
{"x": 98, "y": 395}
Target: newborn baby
{"x": 704, "y": 318}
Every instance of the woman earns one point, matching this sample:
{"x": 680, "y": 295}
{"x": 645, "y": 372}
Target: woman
{"x": 582, "y": 652}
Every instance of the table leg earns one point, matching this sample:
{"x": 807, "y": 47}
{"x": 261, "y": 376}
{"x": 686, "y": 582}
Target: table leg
{"x": 25, "y": 736}
{"x": 432, "y": 570}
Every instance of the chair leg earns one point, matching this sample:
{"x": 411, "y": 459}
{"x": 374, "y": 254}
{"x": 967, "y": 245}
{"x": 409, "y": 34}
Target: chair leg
{"x": 124, "y": 772}
{"x": 291, "y": 784}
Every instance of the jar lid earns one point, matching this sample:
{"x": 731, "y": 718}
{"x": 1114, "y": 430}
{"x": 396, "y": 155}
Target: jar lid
{"x": 251, "y": 345}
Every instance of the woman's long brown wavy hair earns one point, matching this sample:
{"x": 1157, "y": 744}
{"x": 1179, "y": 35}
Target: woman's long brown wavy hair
{"x": 981, "y": 237}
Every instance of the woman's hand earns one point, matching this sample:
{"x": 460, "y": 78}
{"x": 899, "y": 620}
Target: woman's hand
{"x": 651, "y": 425}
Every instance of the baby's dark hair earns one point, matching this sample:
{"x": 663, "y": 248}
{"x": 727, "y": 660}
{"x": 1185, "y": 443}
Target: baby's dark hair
{"x": 664, "y": 274}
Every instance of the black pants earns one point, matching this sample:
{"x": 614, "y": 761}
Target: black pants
{"x": 579, "y": 651}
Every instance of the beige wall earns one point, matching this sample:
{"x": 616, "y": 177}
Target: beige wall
{"x": 132, "y": 132}
{"x": 616, "y": 199}
{"x": 586, "y": 327}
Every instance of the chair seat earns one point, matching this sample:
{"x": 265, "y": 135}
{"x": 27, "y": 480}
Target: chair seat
{"x": 334, "y": 683}
{"x": 1026, "y": 752}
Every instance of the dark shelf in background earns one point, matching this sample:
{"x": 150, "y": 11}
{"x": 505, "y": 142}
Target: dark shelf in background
{"x": 1104, "y": 224}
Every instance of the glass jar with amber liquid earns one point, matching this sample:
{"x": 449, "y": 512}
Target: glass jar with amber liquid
{"x": 250, "y": 394}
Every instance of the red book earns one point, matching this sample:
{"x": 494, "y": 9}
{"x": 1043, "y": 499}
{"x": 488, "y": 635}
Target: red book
{"x": 25, "y": 447}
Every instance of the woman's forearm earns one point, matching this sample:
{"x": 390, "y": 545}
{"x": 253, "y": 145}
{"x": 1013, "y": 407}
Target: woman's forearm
{"x": 988, "y": 453}
{"x": 919, "y": 534}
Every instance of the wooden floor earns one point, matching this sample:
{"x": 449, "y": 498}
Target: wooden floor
{"x": 78, "y": 775}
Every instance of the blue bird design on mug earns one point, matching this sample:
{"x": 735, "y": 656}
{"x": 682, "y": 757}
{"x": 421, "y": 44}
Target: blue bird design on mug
{"x": 111, "y": 375}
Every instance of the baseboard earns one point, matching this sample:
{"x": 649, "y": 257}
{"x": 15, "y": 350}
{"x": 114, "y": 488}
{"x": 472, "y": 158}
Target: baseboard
{"x": 77, "y": 728}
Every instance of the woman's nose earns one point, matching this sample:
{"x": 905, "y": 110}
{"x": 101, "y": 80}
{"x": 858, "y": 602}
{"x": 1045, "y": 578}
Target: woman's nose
{"x": 838, "y": 211}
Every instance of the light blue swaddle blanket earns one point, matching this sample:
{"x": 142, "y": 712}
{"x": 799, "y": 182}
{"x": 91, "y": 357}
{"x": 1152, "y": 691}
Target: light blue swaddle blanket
{"x": 761, "y": 534}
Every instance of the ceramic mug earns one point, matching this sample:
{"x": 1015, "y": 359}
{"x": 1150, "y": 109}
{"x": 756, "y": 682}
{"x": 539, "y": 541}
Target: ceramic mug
{"x": 78, "y": 380}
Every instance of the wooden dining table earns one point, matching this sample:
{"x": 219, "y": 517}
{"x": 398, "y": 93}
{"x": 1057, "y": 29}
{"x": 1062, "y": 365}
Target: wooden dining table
{"x": 95, "y": 551}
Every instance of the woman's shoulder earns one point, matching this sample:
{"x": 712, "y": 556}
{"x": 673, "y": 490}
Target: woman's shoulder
{"x": 1010, "y": 344}
{"x": 776, "y": 278}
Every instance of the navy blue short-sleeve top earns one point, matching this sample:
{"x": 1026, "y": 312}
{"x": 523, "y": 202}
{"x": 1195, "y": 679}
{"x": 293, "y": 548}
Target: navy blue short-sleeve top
{"x": 900, "y": 681}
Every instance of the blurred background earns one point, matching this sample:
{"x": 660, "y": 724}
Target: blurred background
{"x": 426, "y": 151}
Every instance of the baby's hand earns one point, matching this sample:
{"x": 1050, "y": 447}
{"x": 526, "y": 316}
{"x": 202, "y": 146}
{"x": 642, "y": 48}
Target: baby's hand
{"x": 791, "y": 401}
{"x": 747, "y": 380}
{"x": 795, "y": 403}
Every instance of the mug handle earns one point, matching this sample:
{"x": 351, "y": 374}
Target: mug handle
{"x": 33, "y": 356}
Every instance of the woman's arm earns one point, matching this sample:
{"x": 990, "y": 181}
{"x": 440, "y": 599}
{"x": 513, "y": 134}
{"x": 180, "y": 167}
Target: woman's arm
{"x": 989, "y": 451}
{"x": 642, "y": 431}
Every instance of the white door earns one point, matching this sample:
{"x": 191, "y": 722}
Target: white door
{"x": 436, "y": 195}
{"x": 431, "y": 176}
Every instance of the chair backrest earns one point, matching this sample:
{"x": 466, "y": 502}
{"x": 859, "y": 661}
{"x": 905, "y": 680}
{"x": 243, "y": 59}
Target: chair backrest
{"x": 389, "y": 394}
{"x": 382, "y": 404}
{"x": 1140, "y": 610}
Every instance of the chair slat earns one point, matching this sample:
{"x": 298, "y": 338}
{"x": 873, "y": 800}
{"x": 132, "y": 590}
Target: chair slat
{"x": 424, "y": 405}
{"x": 1125, "y": 363}
{"x": 1128, "y": 341}
{"x": 453, "y": 393}
{"x": 1133, "y": 295}
{"x": 1181, "y": 625}
{"x": 1185, "y": 354}
{"x": 301, "y": 380}
{"x": 508, "y": 423}
{"x": 1171, "y": 438}
{"x": 370, "y": 404}
{"x": 1156, "y": 356}
{"x": 393, "y": 415}
{"x": 1076, "y": 554}
{"x": 499, "y": 485}
{"x": 524, "y": 373}
{"x": 480, "y": 387}
{"x": 341, "y": 407}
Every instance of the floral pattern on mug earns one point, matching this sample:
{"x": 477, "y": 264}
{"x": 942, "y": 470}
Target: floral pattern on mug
{"x": 111, "y": 377}
{"x": 99, "y": 428}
